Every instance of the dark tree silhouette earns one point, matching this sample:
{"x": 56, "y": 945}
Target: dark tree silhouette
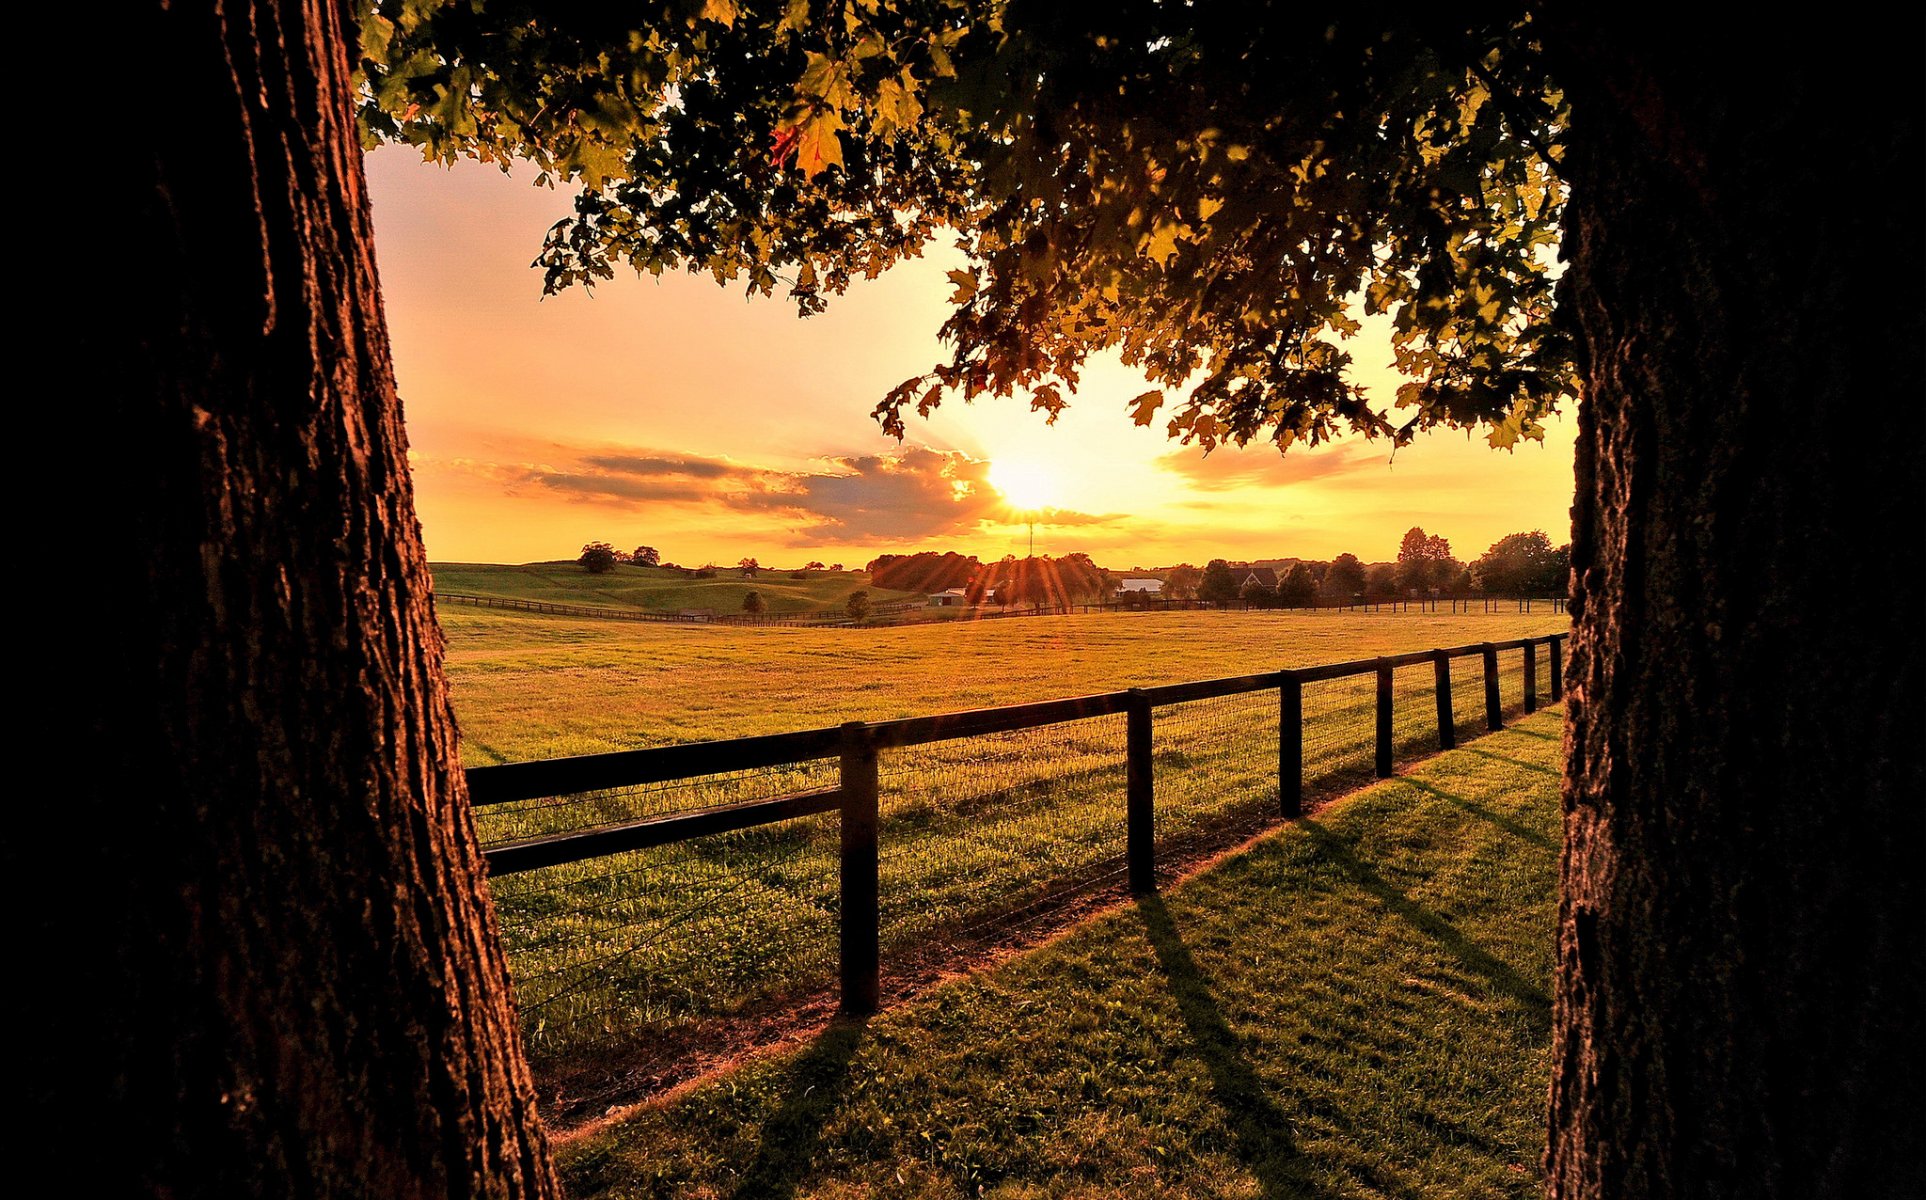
{"x": 599, "y": 558}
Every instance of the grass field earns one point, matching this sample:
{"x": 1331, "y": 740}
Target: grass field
{"x": 529, "y": 686}
{"x": 1356, "y": 1006}
{"x": 623, "y": 962}
{"x": 658, "y": 590}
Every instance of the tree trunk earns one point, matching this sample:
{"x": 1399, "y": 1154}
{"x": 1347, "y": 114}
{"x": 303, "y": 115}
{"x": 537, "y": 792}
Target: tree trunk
{"x": 293, "y": 982}
{"x": 1739, "y": 991}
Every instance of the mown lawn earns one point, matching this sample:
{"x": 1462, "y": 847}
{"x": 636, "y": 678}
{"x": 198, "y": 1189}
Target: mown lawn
{"x": 529, "y": 686}
{"x": 1356, "y": 1006}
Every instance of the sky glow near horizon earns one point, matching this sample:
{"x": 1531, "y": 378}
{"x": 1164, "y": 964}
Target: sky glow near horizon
{"x": 682, "y": 415}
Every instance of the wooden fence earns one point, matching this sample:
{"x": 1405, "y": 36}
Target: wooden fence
{"x": 856, "y": 747}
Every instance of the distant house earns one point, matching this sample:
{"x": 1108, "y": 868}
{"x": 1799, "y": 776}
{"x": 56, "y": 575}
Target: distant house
{"x": 1149, "y": 587}
{"x": 953, "y": 598}
{"x": 1263, "y": 575}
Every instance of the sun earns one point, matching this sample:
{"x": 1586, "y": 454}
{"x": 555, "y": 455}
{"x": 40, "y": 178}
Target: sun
{"x": 1028, "y": 486}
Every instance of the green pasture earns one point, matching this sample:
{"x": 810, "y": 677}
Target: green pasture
{"x": 651, "y": 946}
{"x": 657, "y": 590}
{"x": 1357, "y": 1005}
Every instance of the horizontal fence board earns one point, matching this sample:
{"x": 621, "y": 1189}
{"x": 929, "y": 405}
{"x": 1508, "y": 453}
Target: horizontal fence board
{"x": 657, "y": 764}
{"x": 556, "y": 849}
{"x": 915, "y": 731}
{"x": 1210, "y": 689}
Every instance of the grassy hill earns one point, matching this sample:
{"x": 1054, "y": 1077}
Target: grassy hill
{"x": 658, "y": 590}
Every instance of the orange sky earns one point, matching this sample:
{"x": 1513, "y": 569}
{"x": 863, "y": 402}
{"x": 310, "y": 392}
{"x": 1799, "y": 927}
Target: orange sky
{"x": 681, "y": 415}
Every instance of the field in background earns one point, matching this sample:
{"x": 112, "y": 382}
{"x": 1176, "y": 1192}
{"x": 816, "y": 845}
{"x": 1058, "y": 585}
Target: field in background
{"x": 529, "y": 686}
{"x": 657, "y": 590}
{"x": 1355, "y": 1007}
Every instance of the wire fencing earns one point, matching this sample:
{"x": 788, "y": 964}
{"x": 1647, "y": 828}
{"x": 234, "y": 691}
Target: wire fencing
{"x": 657, "y": 906}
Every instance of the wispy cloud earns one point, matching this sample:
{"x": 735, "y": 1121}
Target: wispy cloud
{"x": 916, "y": 493}
{"x": 1232, "y": 469}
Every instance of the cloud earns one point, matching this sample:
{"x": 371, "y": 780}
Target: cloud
{"x": 1232, "y": 469}
{"x": 918, "y": 493}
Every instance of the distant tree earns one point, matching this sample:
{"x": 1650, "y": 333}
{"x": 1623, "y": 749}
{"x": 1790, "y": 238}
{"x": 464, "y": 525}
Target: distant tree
{"x": 749, "y": 567}
{"x": 1520, "y": 564}
{"x": 1004, "y": 594}
{"x": 1219, "y": 583}
{"x": 1182, "y": 581}
{"x": 1298, "y": 588}
{"x": 1107, "y": 585}
{"x": 857, "y": 606}
{"x": 1345, "y": 578}
{"x": 812, "y": 566}
{"x": 599, "y": 558}
{"x": 646, "y": 556}
{"x": 752, "y": 603}
{"x": 1381, "y": 582}
{"x": 835, "y": 566}
{"x": 1425, "y": 562}
{"x": 1257, "y": 593}
{"x": 925, "y": 571}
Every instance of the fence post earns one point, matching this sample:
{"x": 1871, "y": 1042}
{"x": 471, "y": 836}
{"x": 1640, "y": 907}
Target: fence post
{"x": 1494, "y": 704}
{"x": 1531, "y": 676}
{"x": 1557, "y": 669}
{"x": 1140, "y": 841}
{"x": 1384, "y": 719}
{"x": 1290, "y": 745}
{"x": 860, "y": 931}
{"x": 1447, "y": 722}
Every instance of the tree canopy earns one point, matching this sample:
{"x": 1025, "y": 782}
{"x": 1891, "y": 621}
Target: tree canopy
{"x": 1216, "y": 192}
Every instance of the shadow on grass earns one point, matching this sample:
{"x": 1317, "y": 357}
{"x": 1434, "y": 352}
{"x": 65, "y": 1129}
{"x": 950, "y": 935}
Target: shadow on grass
{"x": 1515, "y": 829}
{"x": 1452, "y": 939}
{"x": 1260, "y": 1130}
{"x": 786, "y": 1147}
{"x": 1521, "y": 764}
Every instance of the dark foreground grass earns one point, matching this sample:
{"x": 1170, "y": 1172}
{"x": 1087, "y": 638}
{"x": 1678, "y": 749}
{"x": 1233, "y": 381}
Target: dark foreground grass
{"x": 1355, "y": 1006}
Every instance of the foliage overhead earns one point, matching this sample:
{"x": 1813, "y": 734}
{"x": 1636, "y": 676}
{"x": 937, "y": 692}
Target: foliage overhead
{"x": 1216, "y": 192}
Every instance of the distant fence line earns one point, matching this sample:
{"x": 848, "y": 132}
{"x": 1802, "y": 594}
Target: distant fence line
{"x": 891, "y": 612}
{"x": 649, "y": 897}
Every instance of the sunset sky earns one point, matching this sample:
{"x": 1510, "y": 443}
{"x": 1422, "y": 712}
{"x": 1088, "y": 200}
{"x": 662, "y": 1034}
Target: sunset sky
{"x": 681, "y": 415}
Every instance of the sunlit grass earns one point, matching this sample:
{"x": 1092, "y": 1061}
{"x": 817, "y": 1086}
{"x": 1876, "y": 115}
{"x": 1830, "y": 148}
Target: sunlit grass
{"x": 1357, "y": 1006}
{"x": 636, "y": 946}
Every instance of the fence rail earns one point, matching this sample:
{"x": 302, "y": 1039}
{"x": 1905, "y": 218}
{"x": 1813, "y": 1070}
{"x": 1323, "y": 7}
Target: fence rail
{"x": 666, "y": 890}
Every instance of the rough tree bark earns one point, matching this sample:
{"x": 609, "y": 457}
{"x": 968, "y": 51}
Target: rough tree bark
{"x": 1739, "y": 991}
{"x": 293, "y": 983}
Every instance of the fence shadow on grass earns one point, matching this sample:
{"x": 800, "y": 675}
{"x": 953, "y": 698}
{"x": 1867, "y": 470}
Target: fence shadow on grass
{"x": 1521, "y": 764}
{"x": 787, "y": 1147}
{"x": 1482, "y": 812}
{"x": 1260, "y": 1131}
{"x": 1501, "y": 974}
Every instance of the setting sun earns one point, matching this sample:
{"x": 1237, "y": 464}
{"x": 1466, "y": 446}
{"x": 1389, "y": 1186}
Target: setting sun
{"x": 1028, "y": 485}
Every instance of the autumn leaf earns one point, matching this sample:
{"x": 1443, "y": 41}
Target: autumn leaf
{"x": 722, "y": 12}
{"x": 819, "y": 147}
{"x": 1161, "y": 246}
{"x": 965, "y": 282}
{"x": 1144, "y": 408}
{"x": 897, "y": 107}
